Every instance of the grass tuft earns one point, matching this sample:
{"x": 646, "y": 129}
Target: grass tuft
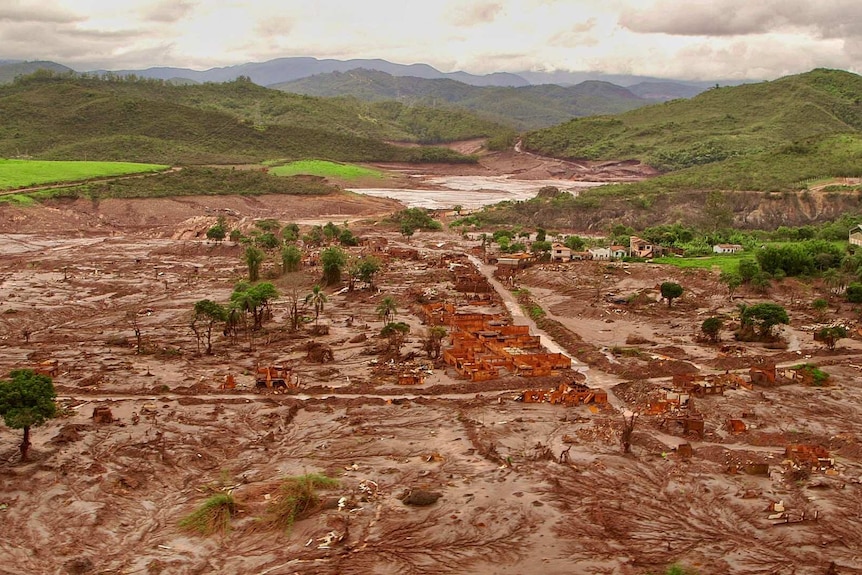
{"x": 296, "y": 498}
{"x": 211, "y": 517}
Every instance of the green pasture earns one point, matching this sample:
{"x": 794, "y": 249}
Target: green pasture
{"x": 24, "y": 173}
{"x": 327, "y": 170}
{"x": 724, "y": 262}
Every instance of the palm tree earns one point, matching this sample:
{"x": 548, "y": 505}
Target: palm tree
{"x": 316, "y": 298}
{"x": 386, "y": 309}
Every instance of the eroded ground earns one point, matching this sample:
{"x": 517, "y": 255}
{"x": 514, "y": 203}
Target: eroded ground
{"x": 525, "y": 488}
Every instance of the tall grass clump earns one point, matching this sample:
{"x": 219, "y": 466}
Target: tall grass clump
{"x": 296, "y": 498}
{"x": 211, "y": 517}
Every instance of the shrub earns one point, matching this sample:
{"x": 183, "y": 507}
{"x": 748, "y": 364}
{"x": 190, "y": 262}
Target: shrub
{"x": 211, "y": 517}
{"x": 296, "y": 498}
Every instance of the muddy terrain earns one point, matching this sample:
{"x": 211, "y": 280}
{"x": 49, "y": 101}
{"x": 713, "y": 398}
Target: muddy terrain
{"x": 516, "y": 487}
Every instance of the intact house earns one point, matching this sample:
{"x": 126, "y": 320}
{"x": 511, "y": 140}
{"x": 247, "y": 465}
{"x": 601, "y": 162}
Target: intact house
{"x": 855, "y": 236}
{"x": 727, "y": 248}
{"x": 600, "y": 253}
{"x": 560, "y": 253}
{"x": 618, "y": 252}
{"x": 640, "y": 248}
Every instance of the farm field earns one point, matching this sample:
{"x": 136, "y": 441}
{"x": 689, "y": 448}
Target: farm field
{"x": 327, "y": 170}
{"x": 24, "y": 173}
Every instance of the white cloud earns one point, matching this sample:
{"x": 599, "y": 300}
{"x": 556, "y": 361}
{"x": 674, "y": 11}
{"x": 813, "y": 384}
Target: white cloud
{"x": 702, "y": 39}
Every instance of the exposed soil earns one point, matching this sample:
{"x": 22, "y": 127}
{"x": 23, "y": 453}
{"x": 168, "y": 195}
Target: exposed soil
{"x": 524, "y": 488}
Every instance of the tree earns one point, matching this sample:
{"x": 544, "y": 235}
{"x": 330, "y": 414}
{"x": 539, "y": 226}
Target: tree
{"x": 254, "y": 300}
{"x": 316, "y": 298}
{"x": 333, "y": 260}
{"x": 830, "y": 335}
{"x": 209, "y": 313}
{"x": 711, "y": 327}
{"x": 253, "y": 259}
{"x": 854, "y": 293}
{"x": 820, "y": 305}
{"x": 331, "y": 231}
{"x": 365, "y": 269}
{"x": 396, "y": 333}
{"x": 26, "y": 400}
{"x": 291, "y": 258}
{"x": 235, "y": 236}
{"x": 575, "y": 243}
{"x": 434, "y": 341}
{"x": 541, "y": 234}
{"x": 763, "y": 317}
{"x": 731, "y": 280}
{"x": 386, "y": 309}
{"x": 407, "y": 230}
{"x": 670, "y": 291}
{"x": 217, "y": 233}
{"x": 747, "y": 270}
{"x": 290, "y": 232}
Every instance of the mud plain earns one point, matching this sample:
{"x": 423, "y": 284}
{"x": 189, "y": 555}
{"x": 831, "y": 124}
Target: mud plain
{"x": 107, "y": 498}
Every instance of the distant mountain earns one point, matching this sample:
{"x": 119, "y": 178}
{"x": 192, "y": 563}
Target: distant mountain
{"x": 527, "y": 107}
{"x": 71, "y": 117}
{"x": 720, "y": 125}
{"x": 664, "y": 91}
{"x": 10, "y": 69}
{"x": 287, "y": 69}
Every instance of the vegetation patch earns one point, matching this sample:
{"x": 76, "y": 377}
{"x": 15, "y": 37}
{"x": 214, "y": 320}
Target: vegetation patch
{"x": 211, "y": 517}
{"x": 23, "y": 173}
{"x": 326, "y": 169}
{"x": 295, "y": 499}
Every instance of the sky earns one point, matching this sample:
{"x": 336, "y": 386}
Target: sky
{"x": 683, "y": 39}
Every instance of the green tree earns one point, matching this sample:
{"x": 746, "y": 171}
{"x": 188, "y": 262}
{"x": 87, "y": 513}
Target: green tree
{"x": 711, "y": 328}
{"x": 854, "y": 293}
{"x": 209, "y": 313}
{"x": 314, "y": 237}
{"x": 365, "y": 270}
{"x": 763, "y": 317}
{"x": 830, "y": 335}
{"x": 575, "y": 243}
{"x": 217, "y": 233}
{"x": 331, "y": 231}
{"x": 235, "y": 236}
{"x": 316, "y": 299}
{"x": 333, "y": 260}
{"x": 747, "y": 270}
{"x": 254, "y": 300}
{"x": 291, "y": 258}
{"x": 387, "y": 309}
{"x": 541, "y": 235}
{"x": 820, "y": 305}
{"x": 541, "y": 247}
{"x": 346, "y": 238}
{"x": 670, "y": 291}
{"x": 434, "y": 341}
{"x": 396, "y": 333}
{"x": 253, "y": 259}
{"x": 731, "y": 280}
{"x": 290, "y": 232}
{"x": 26, "y": 400}
{"x": 407, "y": 230}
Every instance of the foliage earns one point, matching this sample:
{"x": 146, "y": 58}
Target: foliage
{"x": 395, "y": 332}
{"x": 26, "y": 400}
{"x": 296, "y": 498}
{"x": 253, "y": 258}
{"x": 217, "y": 232}
{"x": 575, "y": 243}
{"x": 332, "y": 259}
{"x": 290, "y": 232}
{"x": 25, "y": 173}
{"x": 415, "y": 218}
{"x": 731, "y": 280}
{"x": 387, "y": 309}
{"x": 208, "y": 312}
{"x": 820, "y": 305}
{"x": 854, "y": 293}
{"x": 213, "y": 516}
{"x": 831, "y": 335}
{"x": 801, "y": 258}
{"x": 818, "y": 376}
{"x": 254, "y": 300}
{"x": 291, "y": 258}
{"x": 365, "y": 269}
{"x": 670, "y": 291}
{"x": 316, "y": 298}
{"x": 711, "y": 327}
{"x": 763, "y": 317}
{"x": 434, "y": 341}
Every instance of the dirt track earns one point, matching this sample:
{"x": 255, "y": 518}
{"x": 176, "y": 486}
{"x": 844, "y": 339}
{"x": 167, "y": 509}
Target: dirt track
{"x": 106, "y": 498}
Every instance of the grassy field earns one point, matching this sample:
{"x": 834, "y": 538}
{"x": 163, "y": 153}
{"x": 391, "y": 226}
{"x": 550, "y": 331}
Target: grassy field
{"x": 327, "y": 170}
{"x": 725, "y": 262}
{"x": 23, "y": 173}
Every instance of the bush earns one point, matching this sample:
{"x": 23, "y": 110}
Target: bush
{"x": 854, "y": 293}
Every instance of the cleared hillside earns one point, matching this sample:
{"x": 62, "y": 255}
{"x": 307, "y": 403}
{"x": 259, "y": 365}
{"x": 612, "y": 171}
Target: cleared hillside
{"x": 526, "y": 107}
{"x": 53, "y": 117}
{"x": 717, "y": 125}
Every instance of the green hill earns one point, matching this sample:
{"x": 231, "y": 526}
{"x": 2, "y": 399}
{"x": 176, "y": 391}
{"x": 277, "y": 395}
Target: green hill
{"x": 10, "y": 71}
{"x": 54, "y": 117}
{"x": 717, "y": 125}
{"x": 526, "y": 107}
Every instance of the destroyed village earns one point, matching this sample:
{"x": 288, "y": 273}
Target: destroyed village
{"x": 256, "y": 329}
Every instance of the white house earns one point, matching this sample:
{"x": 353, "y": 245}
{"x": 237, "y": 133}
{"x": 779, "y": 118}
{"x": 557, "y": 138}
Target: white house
{"x": 727, "y": 248}
{"x": 855, "y": 237}
{"x": 618, "y": 252}
{"x": 600, "y": 253}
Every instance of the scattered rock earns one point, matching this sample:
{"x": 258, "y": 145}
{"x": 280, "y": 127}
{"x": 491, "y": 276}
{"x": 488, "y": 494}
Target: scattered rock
{"x": 420, "y": 497}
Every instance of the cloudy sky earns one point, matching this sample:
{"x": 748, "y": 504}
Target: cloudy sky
{"x": 689, "y": 39}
